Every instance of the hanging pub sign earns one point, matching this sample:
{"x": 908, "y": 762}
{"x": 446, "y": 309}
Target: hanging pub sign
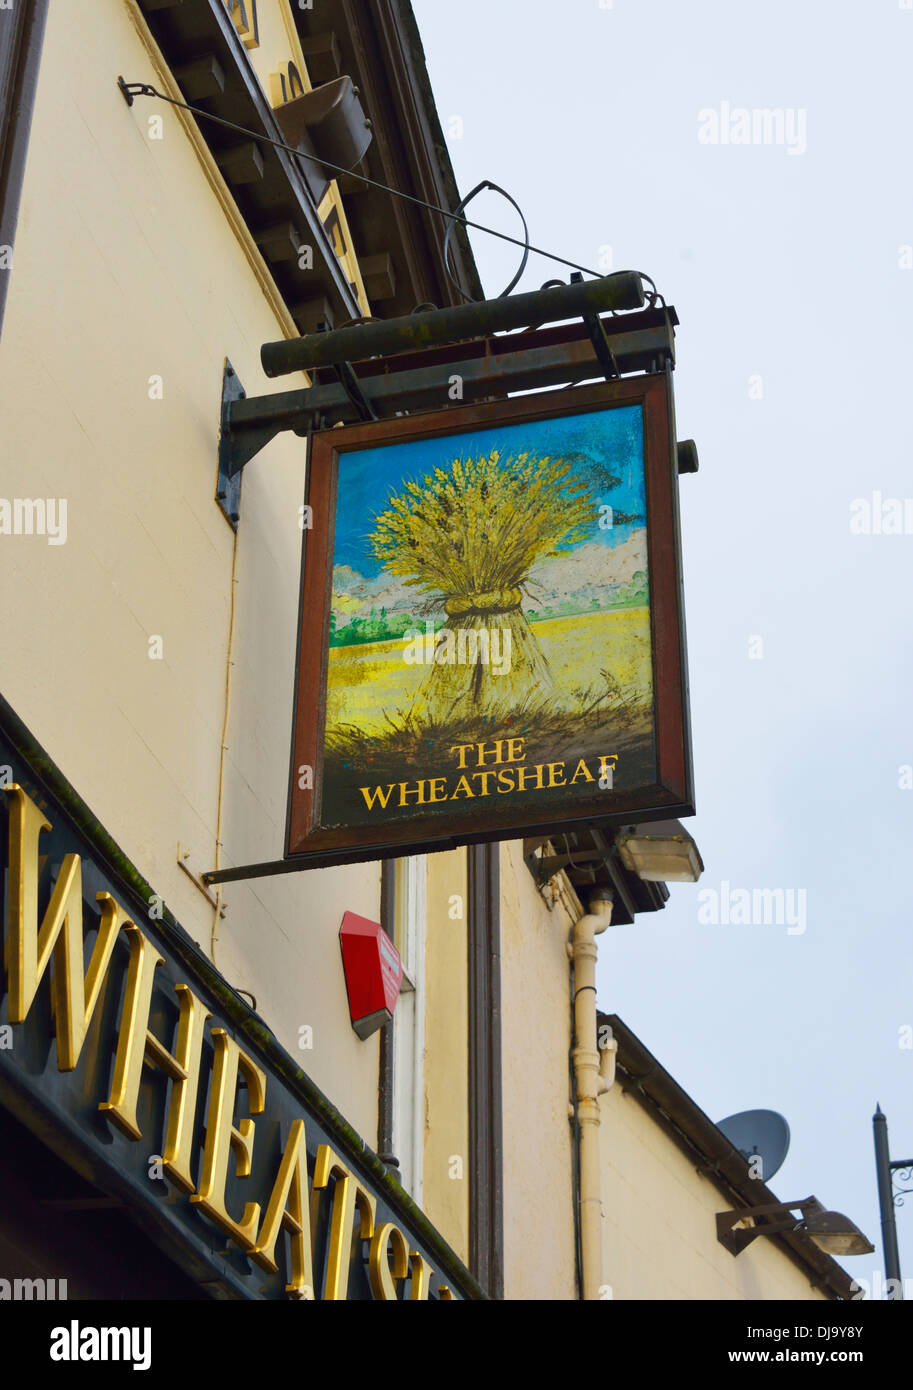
{"x": 491, "y": 633}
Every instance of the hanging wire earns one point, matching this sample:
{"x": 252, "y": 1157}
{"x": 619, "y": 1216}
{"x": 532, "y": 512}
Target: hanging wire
{"x": 480, "y": 188}
{"x": 653, "y": 295}
{"x": 145, "y": 89}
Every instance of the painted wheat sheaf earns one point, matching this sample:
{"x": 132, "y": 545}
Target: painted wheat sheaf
{"x": 471, "y": 536}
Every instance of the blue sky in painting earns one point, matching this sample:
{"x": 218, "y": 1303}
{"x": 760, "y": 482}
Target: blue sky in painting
{"x": 602, "y": 446}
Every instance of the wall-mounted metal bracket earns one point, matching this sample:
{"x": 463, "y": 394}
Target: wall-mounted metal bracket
{"x": 589, "y": 857}
{"x": 777, "y": 1217}
{"x": 186, "y": 861}
{"x": 422, "y": 379}
{"x": 598, "y": 337}
{"x": 129, "y": 90}
{"x": 353, "y": 389}
{"x": 228, "y": 480}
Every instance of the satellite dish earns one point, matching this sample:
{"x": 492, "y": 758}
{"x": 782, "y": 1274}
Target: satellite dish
{"x": 759, "y": 1134}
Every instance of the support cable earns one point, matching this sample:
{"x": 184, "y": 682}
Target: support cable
{"x": 131, "y": 90}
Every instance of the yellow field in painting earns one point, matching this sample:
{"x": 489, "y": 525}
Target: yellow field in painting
{"x": 369, "y": 681}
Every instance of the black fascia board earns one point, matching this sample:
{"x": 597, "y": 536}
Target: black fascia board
{"x": 197, "y": 29}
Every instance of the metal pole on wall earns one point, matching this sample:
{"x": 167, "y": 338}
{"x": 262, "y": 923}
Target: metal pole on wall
{"x": 886, "y": 1200}
{"x": 621, "y": 290}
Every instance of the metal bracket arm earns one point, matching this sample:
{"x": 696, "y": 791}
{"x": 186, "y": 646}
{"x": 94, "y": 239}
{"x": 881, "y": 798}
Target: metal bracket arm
{"x": 421, "y": 380}
{"x": 782, "y": 1220}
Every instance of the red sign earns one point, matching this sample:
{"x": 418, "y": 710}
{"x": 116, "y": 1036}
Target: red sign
{"x": 373, "y": 971}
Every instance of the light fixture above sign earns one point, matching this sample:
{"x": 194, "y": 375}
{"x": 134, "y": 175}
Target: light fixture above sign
{"x": 830, "y": 1230}
{"x": 660, "y": 852}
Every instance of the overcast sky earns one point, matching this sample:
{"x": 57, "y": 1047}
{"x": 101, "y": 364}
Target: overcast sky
{"x": 620, "y": 130}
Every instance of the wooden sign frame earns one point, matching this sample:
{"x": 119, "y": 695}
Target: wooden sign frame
{"x": 314, "y": 839}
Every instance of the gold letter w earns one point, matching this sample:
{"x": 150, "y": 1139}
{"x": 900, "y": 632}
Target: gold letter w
{"x": 28, "y": 949}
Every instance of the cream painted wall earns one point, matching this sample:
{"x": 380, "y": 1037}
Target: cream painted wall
{"x": 539, "y": 1255}
{"x": 445, "y": 1193}
{"x": 658, "y": 1229}
{"x": 125, "y": 269}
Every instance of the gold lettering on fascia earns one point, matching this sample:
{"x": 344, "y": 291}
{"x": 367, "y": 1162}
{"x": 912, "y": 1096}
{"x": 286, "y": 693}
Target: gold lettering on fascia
{"x": 246, "y": 20}
{"x": 286, "y": 84}
{"x": 137, "y": 1044}
{"x": 333, "y": 227}
{"x": 28, "y": 948}
{"x": 31, "y": 946}
{"x": 348, "y": 1195}
{"x": 223, "y": 1139}
{"x": 287, "y": 1208}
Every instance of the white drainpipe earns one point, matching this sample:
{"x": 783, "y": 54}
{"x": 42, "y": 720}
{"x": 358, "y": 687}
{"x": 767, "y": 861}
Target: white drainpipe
{"x": 591, "y": 1081}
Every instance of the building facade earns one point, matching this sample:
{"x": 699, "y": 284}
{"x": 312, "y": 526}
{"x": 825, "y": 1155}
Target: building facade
{"x": 177, "y": 1061}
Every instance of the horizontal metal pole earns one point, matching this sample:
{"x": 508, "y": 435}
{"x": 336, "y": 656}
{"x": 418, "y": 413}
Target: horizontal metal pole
{"x": 623, "y": 290}
{"x": 425, "y": 387}
{"x": 268, "y": 869}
